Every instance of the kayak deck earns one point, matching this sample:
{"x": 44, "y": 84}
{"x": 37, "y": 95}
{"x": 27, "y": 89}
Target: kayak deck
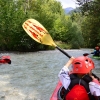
{"x": 96, "y": 57}
{"x": 55, "y": 92}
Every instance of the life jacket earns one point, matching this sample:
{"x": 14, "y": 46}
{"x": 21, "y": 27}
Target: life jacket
{"x": 97, "y": 53}
{"x": 78, "y": 88}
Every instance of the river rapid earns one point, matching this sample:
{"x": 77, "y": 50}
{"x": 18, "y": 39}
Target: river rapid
{"x": 34, "y": 75}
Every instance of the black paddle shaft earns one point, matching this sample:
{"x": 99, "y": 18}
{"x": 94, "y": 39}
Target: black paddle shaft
{"x": 63, "y": 52}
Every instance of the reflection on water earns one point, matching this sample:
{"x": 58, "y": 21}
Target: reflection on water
{"x": 33, "y": 76}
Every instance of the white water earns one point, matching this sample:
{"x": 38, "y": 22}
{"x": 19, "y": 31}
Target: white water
{"x": 33, "y": 76}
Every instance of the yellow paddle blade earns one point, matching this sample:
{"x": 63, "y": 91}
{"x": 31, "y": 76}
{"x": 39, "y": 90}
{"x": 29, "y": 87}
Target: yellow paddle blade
{"x": 37, "y": 32}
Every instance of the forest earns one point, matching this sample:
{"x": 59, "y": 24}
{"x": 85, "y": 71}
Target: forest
{"x": 79, "y": 29}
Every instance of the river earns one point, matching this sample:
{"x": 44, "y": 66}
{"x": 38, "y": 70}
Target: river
{"x": 34, "y": 75}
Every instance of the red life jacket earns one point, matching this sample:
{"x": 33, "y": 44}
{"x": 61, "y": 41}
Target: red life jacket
{"x": 78, "y": 92}
{"x": 78, "y": 89}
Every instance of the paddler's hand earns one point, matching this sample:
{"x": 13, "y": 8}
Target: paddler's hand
{"x": 90, "y": 74}
{"x": 93, "y": 78}
{"x": 69, "y": 62}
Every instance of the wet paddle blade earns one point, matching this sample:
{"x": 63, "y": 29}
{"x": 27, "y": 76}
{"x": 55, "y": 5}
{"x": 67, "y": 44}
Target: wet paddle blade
{"x": 37, "y": 32}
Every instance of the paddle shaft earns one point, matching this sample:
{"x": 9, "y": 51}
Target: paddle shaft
{"x": 65, "y": 53}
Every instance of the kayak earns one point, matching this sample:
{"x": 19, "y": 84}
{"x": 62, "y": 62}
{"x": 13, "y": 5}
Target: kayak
{"x": 5, "y": 60}
{"x": 57, "y": 92}
{"x": 96, "y": 57}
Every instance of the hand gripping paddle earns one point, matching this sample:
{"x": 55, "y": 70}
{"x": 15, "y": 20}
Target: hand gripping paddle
{"x": 37, "y": 32}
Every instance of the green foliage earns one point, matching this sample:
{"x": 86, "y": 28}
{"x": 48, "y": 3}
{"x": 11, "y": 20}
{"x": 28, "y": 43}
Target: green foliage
{"x": 48, "y": 12}
{"x": 76, "y": 37}
{"x": 63, "y": 45}
{"x": 69, "y": 31}
{"x": 90, "y": 25}
{"x": 11, "y": 24}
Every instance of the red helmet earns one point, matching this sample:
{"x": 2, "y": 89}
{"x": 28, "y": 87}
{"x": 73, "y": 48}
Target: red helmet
{"x": 82, "y": 65}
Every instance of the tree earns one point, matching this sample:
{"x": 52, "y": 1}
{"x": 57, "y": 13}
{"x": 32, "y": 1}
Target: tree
{"x": 91, "y": 25}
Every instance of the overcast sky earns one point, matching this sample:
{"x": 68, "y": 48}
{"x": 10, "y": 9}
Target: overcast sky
{"x": 68, "y": 3}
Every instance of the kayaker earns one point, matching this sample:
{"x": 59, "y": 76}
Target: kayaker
{"x": 79, "y": 83}
{"x": 96, "y": 51}
{"x": 5, "y": 60}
